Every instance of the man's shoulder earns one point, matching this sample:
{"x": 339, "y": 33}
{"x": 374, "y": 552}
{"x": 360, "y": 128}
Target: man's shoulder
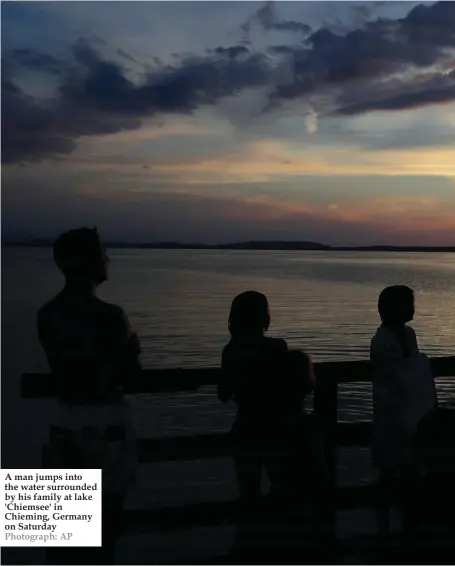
{"x": 93, "y": 305}
{"x": 111, "y": 316}
{"x": 109, "y": 308}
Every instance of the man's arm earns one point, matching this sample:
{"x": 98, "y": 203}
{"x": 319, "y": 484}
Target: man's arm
{"x": 125, "y": 350}
{"x": 47, "y": 339}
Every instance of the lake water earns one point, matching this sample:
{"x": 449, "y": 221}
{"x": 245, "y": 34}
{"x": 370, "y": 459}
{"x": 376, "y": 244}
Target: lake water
{"x": 179, "y": 300}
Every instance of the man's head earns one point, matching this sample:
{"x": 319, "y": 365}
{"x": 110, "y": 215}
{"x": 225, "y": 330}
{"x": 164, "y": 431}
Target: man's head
{"x": 396, "y": 305}
{"x": 81, "y": 255}
{"x": 250, "y": 314}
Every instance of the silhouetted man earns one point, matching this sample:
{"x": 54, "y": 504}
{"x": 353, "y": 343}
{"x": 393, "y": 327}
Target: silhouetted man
{"x": 93, "y": 353}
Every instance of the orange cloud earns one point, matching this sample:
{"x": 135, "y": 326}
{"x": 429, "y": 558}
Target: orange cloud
{"x": 410, "y": 213}
{"x": 267, "y": 160}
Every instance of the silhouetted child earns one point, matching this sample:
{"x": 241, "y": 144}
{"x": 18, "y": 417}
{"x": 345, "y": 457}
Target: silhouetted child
{"x": 268, "y": 383}
{"x": 93, "y": 353}
{"x": 403, "y": 393}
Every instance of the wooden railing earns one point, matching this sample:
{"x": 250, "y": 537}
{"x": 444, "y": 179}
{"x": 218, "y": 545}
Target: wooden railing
{"x": 328, "y": 376}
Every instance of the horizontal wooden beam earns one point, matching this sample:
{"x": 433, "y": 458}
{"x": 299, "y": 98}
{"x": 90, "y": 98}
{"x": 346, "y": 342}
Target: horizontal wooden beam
{"x": 221, "y": 445}
{"x": 227, "y": 512}
{"x": 42, "y": 385}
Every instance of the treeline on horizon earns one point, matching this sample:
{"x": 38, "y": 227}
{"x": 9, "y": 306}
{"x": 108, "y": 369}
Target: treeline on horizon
{"x": 282, "y": 245}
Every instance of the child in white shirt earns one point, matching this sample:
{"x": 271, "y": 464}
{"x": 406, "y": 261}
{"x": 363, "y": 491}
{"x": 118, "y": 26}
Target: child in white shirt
{"x": 403, "y": 393}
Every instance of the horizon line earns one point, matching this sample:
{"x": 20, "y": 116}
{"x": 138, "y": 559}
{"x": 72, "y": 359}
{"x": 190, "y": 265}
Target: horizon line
{"x": 265, "y": 245}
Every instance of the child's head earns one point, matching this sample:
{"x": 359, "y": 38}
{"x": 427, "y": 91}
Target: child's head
{"x": 396, "y": 304}
{"x": 80, "y": 254}
{"x": 250, "y": 314}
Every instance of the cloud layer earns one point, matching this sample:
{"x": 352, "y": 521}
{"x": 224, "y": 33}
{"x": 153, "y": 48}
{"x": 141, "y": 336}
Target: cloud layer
{"x": 371, "y": 68}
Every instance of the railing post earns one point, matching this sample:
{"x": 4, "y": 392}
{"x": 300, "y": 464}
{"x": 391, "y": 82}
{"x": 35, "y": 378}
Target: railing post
{"x": 326, "y": 409}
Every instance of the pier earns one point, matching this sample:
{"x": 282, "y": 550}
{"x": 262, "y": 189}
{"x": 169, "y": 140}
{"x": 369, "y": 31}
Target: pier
{"x": 335, "y": 434}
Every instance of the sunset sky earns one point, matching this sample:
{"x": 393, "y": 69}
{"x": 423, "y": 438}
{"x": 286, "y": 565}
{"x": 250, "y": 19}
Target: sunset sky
{"x": 228, "y": 121}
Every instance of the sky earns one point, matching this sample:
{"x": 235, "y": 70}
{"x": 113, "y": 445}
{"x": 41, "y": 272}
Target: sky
{"x": 219, "y": 122}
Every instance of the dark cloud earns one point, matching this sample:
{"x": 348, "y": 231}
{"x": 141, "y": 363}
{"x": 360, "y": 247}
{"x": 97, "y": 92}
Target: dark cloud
{"x": 380, "y": 48}
{"x": 357, "y": 15}
{"x": 33, "y": 130}
{"x": 96, "y": 96}
{"x": 232, "y": 52}
{"x": 126, "y": 56}
{"x": 436, "y": 90}
{"x": 267, "y": 17}
{"x": 37, "y": 61}
{"x": 283, "y": 49}
{"x": 432, "y": 25}
{"x": 27, "y": 128}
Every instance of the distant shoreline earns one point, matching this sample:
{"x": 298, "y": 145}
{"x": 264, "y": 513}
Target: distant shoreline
{"x": 252, "y": 245}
